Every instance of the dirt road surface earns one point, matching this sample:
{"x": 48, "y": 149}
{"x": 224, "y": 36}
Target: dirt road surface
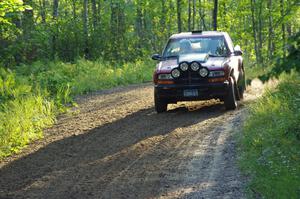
{"x": 116, "y": 146}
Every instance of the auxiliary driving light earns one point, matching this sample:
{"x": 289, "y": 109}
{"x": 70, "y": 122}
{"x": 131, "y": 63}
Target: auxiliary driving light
{"x": 203, "y": 72}
{"x": 184, "y": 66}
{"x": 195, "y": 66}
{"x": 175, "y": 73}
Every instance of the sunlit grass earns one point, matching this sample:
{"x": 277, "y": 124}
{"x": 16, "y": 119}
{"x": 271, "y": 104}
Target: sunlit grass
{"x": 31, "y": 96}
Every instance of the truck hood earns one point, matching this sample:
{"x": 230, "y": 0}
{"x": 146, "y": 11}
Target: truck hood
{"x": 212, "y": 63}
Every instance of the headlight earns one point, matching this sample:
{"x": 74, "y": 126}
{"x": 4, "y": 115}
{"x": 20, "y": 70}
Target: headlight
{"x": 165, "y": 76}
{"x": 203, "y": 72}
{"x": 184, "y": 66}
{"x": 175, "y": 73}
{"x": 195, "y": 66}
{"x": 217, "y": 73}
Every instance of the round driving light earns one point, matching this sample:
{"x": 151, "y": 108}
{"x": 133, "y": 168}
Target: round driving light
{"x": 195, "y": 66}
{"x": 184, "y": 66}
{"x": 175, "y": 73}
{"x": 203, "y": 72}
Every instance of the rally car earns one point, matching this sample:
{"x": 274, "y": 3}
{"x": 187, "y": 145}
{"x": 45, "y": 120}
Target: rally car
{"x": 199, "y": 65}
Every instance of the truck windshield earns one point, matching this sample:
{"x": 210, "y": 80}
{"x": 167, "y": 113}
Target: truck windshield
{"x": 214, "y": 46}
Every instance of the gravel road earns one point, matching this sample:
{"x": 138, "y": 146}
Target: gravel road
{"x": 114, "y": 145}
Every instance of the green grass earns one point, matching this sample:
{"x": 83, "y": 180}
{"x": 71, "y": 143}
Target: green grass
{"x": 31, "y": 96}
{"x": 270, "y": 145}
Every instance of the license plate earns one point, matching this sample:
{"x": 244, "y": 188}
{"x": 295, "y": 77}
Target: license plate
{"x": 190, "y": 93}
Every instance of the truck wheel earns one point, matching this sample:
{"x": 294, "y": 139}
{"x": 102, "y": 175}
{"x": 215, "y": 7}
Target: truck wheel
{"x": 242, "y": 87}
{"x": 237, "y": 93}
{"x": 160, "y": 104}
{"x": 230, "y": 100}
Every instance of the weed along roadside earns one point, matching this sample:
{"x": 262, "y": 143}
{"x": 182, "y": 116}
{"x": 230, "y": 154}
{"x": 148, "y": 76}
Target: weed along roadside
{"x": 33, "y": 95}
{"x": 149, "y": 99}
{"x": 270, "y": 143}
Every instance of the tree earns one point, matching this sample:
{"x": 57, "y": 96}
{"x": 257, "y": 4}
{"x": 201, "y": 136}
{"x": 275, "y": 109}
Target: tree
{"x": 54, "y": 35}
{"x": 283, "y": 29}
{"x": 85, "y": 28}
{"x": 194, "y": 14}
{"x": 270, "y": 33}
{"x": 215, "y": 15}
{"x": 202, "y": 15}
{"x": 42, "y": 4}
{"x": 123, "y": 30}
{"x": 254, "y": 29}
{"x": 189, "y": 15}
{"x": 179, "y": 15}
{"x": 95, "y": 17}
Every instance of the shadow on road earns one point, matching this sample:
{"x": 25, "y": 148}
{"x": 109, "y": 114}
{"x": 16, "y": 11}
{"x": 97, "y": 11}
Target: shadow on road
{"x": 82, "y": 166}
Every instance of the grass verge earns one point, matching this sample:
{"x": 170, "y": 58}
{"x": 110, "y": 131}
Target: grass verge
{"x": 270, "y": 144}
{"x": 31, "y": 96}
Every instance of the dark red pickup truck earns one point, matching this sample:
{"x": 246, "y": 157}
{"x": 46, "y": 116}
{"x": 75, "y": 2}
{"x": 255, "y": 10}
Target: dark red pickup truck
{"x": 199, "y": 66}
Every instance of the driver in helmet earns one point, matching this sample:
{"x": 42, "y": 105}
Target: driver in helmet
{"x": 185, "y": 46}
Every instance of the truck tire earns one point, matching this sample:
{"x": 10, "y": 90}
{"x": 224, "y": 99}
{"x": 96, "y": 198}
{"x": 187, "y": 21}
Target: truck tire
{"x": 230, "y": 100}
{"x": 242, "y": 87}
{"x": 160, "y": 105}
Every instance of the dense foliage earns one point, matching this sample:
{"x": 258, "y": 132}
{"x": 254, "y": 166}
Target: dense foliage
{"x": 271, "y": 142}
{"x": 285, "y": 64}
{"x": 126, "y": 30}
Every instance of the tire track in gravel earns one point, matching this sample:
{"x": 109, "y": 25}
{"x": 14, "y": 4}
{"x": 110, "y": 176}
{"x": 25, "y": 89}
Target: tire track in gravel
{"x": 116, "y": 146}
{"x": 186, "y": 170}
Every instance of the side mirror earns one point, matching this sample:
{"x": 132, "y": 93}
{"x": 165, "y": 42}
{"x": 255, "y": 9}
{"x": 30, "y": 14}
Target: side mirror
{"x": 238, "y": 51}
{"x": 156, "y": 57}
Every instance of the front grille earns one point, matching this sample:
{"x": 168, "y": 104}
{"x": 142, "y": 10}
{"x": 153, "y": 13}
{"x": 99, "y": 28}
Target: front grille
{"x": 190, "y": 77}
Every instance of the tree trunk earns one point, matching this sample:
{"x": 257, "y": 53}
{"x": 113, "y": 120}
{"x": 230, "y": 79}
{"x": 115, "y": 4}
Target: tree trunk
{"x": 194, "y": 14}
{"x": 117, "y": 24}
{"x": 254, "y": 29}
{"x": 85, "y": 29}
{"x": 74, "y": 9}
{"x": 215, "y": 15}
{"x": 76, "y": 33}
{"x": 202, "y": 16}
{"x": 55, "y": 9}
{"x": 289, "y": 29}
{"x": 95, "y": 18}
{"x": 223, "y": 14}
{"x": 27, "y": 25}
{"x": 27, "y": 20}
{"x": 139, "y": 23}
{"x": 54, "y": 36}
{"x": 43, "y": 10}
{"x": 99, "y": 12}
{"x": 259, "y": 32}
{"x": 270, "y": 34}
{"x": 171, "y": 16}
{"x": 179, "y": 15}
{"x": 283, "y": 30}
{"x": 189, "y": 15}
{"x": 163, "y": 16}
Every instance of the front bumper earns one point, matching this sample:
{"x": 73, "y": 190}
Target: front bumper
{"x": 175, "y": 92}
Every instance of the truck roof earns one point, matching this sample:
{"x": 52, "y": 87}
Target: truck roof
{"x": 197, "y": 34}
